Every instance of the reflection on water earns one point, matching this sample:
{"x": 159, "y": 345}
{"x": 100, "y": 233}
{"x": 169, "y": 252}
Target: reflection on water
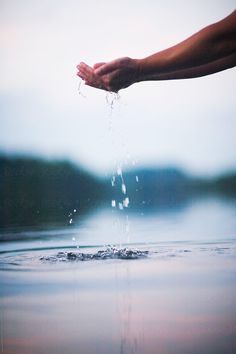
{"x": 180, "y": 303}
{"x": 201, "y": 220}
{"x": 180, "y": 298}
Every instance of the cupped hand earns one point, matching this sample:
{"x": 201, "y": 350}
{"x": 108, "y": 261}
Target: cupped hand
{"x": 111, "y": 76}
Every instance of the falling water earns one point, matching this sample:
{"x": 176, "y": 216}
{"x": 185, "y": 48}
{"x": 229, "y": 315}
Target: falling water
{"x": 71, "y": 215}
{"x": 80, "y": 91}
{"x": 120, "y": 200}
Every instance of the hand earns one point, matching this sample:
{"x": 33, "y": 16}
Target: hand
{"x": 112, "y": 76}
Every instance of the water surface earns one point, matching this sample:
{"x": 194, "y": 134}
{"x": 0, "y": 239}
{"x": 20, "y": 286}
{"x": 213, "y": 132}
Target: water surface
{"x": 179, "y": 298}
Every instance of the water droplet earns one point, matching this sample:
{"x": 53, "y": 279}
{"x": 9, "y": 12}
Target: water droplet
{"x": 113, "y": 179}
{"x": 136, "y": 177}
{"x": 119, "y": 171}
{"x": 126, "y": 202}
{"x": 123, "y": 188}
{"x": 70, "y": 221}
{"x": 121, "y": 206}
{"x": 73, "y": 238}
{"x": 75, "y": 210}
{"x": 127, "y": 225}
{"x": 113, "y": 203}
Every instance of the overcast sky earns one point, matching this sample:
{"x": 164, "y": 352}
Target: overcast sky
{"x": 189, "y": 123}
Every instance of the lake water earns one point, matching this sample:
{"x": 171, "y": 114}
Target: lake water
{"x": 179, "y": 298}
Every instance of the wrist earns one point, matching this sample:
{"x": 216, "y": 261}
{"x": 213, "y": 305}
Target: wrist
{"x": 147, "y": 69}
{"x": 139, "y": 69}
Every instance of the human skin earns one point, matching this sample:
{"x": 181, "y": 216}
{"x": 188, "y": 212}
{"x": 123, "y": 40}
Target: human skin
{"x": 208, "y": 51}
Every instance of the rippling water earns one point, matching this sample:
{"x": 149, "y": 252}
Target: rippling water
{"x": 154, "y": 282}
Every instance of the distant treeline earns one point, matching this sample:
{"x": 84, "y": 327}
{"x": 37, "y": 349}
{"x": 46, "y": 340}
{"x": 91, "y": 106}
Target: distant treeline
{"x": 35, "y": 192}
{"x": 170, "y": 187}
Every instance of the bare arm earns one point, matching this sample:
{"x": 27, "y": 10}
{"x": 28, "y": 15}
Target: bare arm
{"x": 210, "y": 50}
{"x": 206, "y": 52}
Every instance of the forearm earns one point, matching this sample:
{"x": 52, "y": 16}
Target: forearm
{"x": 198, "y": 71}
{"x": 210, "y": 50}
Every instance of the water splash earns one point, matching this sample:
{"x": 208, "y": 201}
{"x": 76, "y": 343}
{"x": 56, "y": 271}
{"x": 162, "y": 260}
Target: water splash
{"x": 71, "y": 215}
{"x": 118, "y": 183}
{"x": 110, "y": 252}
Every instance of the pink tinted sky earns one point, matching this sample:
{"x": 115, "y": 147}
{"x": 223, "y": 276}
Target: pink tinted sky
{"x": 189, "y": 123}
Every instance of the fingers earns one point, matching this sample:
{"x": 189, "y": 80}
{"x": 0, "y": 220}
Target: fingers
{"x": 85, "y": 72}
{"x": 107, "y": 67}
{"x": 85, "y": 69}
{"x": 97, "y": 65}
{"x": 88, "y": 74}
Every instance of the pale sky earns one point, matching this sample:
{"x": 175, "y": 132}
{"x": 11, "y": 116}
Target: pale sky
{"x": 188, "y": 123}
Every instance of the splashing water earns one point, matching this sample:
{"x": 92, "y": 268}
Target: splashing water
{"x": 119, "y": 183}
{"x": 70, "y": 216}
{"x": 110, "y": 252}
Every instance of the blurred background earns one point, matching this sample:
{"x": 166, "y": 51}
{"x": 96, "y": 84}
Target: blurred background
{"x": 60, "y": 145}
